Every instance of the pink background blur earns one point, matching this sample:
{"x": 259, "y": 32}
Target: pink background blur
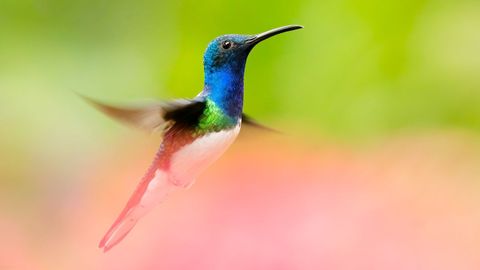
{"x": 269, "y": 203}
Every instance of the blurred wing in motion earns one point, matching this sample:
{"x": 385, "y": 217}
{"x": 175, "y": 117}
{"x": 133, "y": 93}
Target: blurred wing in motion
{"x": 150, "y": 117}
{"x": 247, "y": 120}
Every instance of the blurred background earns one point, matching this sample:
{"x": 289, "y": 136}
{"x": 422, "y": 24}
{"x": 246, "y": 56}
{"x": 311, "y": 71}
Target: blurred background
{"x": 379, "y": 167}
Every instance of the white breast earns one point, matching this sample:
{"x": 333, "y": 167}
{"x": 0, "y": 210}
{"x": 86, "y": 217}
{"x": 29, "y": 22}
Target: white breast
{"x": 190, "y": 160}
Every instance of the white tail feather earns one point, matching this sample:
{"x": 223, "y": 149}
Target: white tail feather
{"x": 152, "y": 190}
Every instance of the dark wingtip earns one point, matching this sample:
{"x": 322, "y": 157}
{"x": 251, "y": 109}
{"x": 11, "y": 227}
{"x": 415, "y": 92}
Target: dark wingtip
{"x": 91, "y": 101}
{"x": 247, "y": 120}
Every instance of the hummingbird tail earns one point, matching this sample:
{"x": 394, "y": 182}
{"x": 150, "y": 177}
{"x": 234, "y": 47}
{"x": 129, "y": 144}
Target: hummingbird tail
{"x": 154, "y": 187}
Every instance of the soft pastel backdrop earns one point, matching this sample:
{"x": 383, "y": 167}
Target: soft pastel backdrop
{"x": 379, "y": 167}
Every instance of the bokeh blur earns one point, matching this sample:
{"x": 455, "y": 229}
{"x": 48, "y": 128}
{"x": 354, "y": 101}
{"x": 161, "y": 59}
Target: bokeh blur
{"x": 379, "y": 167}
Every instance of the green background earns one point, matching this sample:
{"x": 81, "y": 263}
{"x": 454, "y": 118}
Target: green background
{"x": 359, "y": 69}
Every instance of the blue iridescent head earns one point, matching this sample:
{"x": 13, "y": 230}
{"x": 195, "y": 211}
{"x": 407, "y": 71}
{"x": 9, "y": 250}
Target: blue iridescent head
{"x": 224, "y": 65}
{"x": 227, "y": 52}
{"x": 231, "y": 51}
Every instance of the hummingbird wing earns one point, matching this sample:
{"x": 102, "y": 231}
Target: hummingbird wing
{"x": 151, "y": 117}
{"x": 253, "y": 123}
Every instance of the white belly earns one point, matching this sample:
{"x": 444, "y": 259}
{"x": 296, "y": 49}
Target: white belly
{"x": 192, "y": 159}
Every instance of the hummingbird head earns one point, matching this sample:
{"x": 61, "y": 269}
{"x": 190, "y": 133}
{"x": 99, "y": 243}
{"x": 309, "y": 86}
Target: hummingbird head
{"x": 224, "y": 64}
{"x": 229, "y": 52}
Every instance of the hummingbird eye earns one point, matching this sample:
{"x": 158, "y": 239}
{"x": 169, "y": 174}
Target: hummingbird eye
{"x": 226, "y": 44}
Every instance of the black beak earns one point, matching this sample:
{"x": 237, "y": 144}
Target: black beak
{"x": 270, "y": 33}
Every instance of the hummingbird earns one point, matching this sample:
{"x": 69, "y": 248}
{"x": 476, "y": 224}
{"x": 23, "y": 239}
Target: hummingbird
{"x": 195, "y": 132}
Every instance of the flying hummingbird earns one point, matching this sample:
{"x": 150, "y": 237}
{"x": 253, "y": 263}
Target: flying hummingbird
{"x": 195, "y": 131}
